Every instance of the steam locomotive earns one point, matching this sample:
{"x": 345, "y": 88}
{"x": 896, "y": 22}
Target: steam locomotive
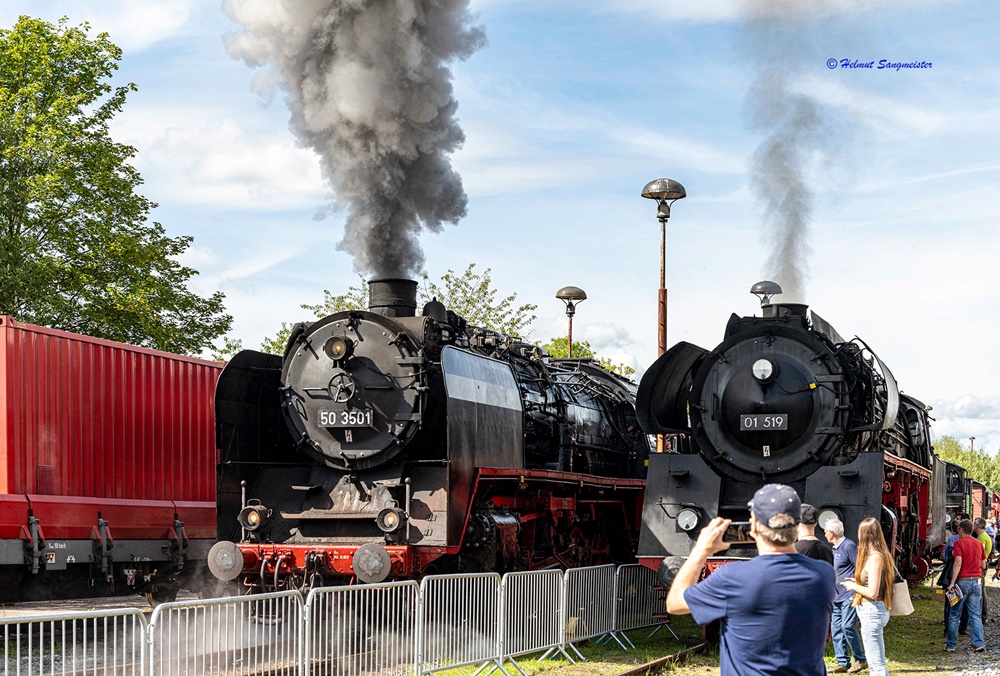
{"x": 388, "y": 445}
{"x": 784, "y": 398}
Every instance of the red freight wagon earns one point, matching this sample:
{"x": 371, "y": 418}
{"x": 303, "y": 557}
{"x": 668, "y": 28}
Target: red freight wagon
{"x": 982, "y": 500}
{"x": 107, "y": 464}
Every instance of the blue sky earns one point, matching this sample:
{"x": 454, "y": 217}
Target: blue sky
{"x": 568, "y": 112}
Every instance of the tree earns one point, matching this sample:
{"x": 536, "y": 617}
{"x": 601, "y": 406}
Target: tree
{"x": 556, "y": 347}
{"x": 472, "y": 295}
{"x": 77, "y": 250}
{"x": 469, "y": 295}
{"x": 981, "y": 466}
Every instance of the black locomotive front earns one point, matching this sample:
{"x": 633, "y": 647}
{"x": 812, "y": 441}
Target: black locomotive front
{"x": 784, "y": 398}
{"x": 361, "y": 452}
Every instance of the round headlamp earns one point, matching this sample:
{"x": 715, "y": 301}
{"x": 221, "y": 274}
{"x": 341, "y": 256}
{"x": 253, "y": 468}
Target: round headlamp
{"x": 763, "y": 370}
{"x": 339, "y": 348}
{"x": 825, "y": 516}
{"x": 390, "y": 520}
{"x": 687, "y": 520}
{"x": 253, "y": 517}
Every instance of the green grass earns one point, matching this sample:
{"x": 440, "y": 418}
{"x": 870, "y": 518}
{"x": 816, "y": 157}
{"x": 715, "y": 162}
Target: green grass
{"x": 607, "y": 659}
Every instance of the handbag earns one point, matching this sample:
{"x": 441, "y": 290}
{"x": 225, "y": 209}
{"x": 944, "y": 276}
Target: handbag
{"x": 902, "y": 604}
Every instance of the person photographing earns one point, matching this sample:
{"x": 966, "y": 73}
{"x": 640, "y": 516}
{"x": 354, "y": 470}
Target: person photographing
{"x": 775, "y": 608}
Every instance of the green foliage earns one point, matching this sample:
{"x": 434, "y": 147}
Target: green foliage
{"x": 470, "y": 295}
{"x": 77, "y": 251}
{"x": 230, "y": 346}
{"x": 981, "y": 465}
{"x": 556, "y": 347}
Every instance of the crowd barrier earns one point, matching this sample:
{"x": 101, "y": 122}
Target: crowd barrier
{"x": 389, "y": 629}
{"x": 108, "y": 642}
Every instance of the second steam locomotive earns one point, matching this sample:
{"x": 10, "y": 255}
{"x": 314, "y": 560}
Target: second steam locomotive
{"x": 387, "y": 445}
{"x": 784, "y": 398}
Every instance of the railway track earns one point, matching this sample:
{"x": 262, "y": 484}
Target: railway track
{"x": 661, "y": 662}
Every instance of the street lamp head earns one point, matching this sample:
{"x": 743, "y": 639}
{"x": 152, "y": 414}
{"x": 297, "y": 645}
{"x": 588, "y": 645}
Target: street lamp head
{"x": 665, "y": 191}
{"x": 764, "y": 290}
{"x": 571, "y": 295}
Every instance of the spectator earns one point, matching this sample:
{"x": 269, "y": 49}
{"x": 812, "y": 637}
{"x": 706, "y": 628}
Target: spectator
{"x": 775, "y": 608}
{"x": 963, "y": 626}
{"x": 979, "y": 530}
{"x": 875, "y": 575}
{"x": 845, "y": 634}
{"x": 808, "y": 544}
{"x": 970, "y": 561}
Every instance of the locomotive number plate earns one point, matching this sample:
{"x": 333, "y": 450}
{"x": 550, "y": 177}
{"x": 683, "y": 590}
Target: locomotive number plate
{"x": 359, "y": 417}
{"x": 763, "y": 422}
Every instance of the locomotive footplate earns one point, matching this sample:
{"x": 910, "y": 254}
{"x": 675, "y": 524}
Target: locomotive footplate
{"x": 370, "y": 562}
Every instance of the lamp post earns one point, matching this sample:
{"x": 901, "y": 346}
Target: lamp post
{"x": 972, "y": 453}
{"x": 665, "y": 191}
{"x": 571, "y": 295}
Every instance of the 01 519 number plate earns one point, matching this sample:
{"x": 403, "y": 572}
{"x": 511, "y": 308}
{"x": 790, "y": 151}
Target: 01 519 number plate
{"x": 761, "y": 422}
{"x": 358, "y": 417}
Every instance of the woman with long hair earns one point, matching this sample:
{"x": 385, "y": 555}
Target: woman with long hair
{"x": 874, "y": 575}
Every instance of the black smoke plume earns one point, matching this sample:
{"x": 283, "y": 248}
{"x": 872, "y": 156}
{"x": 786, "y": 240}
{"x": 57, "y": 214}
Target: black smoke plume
{"x": 369, "y": 89}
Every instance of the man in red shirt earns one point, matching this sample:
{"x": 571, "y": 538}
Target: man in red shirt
{"x": 966, "y": 573}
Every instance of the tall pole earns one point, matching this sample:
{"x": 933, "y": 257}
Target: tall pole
{"x": 569, "y": 344}
{"x": 662, "y": 309}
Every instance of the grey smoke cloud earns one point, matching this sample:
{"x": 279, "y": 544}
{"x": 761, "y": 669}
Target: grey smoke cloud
{"x": 369, "y": 89}
{"x": 796, "y": 132}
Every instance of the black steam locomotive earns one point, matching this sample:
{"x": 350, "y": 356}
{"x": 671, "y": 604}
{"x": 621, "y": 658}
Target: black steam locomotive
{"x": 784, "y": 398}
{"x": 388, "y": 445}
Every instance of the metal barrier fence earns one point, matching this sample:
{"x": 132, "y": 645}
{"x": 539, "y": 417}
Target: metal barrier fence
{"x": 459, "y": 621}
{"x": 110, "y": 642}
{"x": 362, "y": 630}
{"x": 238, "y": 635}
{"x": 531, "y": 614}
{"x": 638, "y": 602}
{"x": 390, "y": 629}
{"x": 589, "y": 605}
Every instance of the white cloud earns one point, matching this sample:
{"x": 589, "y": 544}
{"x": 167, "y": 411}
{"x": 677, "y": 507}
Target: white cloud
{"x": 133, "y": 26}
{"x": 220, "y": 163}
{"x": 199, "y": 258}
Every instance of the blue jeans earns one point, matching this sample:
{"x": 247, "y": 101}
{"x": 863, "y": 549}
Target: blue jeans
{"x": 845, "y": 634}
{"x": 972, "y": 596}
{"x": 874, "y": 617}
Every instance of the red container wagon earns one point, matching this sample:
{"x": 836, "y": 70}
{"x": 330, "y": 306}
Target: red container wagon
{"x": 982, "y": 500}
{"x": 107, "y": 465}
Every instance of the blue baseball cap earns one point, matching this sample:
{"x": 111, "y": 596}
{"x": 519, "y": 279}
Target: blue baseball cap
{"x": 774, "y": 499}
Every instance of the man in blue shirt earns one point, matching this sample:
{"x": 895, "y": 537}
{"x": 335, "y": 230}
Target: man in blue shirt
{"x": 845, "y": 634}
{"x": 774, "y": 610}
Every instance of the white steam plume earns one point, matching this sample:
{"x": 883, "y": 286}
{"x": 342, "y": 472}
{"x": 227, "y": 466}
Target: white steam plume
{"x": 369, "y": 89}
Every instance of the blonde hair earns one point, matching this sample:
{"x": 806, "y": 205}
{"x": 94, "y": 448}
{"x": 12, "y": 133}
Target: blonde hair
{"x": 870, "y": 542}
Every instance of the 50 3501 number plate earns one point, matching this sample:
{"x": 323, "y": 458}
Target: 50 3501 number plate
{"x": 751, "y": 422}
{"x": 359, "y": 417}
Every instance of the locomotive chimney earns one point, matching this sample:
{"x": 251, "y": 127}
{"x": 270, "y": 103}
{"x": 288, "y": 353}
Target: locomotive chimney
{"x": 393, "y": 297}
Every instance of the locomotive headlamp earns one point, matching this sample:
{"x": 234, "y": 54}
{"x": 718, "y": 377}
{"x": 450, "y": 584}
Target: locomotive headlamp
{"x": 687, "y": 519}
{"x": 254, "y": 516}
{"x": 390, "y": 520}
{"x": 826, "y": 516}
{"x": 339, "y": 348}
{"x": 763, "y": 370}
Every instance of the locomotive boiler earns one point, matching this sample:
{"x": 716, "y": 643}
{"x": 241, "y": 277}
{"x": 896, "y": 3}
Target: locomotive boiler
{"x": 385, "y": 444}
{"x": 784, "y": 398}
